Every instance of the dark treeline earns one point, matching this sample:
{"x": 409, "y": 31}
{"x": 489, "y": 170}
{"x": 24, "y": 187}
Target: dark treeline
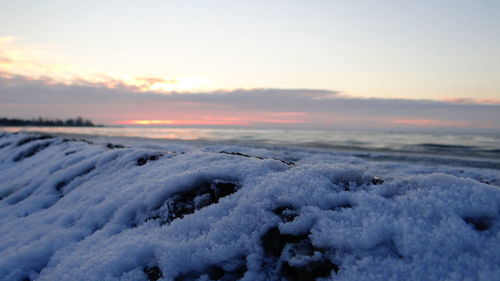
{"x": 76, "y": 122}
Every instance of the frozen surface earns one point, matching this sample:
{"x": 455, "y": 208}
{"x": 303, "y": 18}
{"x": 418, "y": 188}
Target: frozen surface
{"x": 131, "y": 210}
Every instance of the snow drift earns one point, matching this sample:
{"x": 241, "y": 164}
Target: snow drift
{"x": 76, "y": 210}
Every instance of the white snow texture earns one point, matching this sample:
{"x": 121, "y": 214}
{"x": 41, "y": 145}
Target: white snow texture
{"x": 76, "y": 210}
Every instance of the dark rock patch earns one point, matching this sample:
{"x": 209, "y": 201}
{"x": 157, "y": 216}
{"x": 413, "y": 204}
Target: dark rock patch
{"x": 203, "y": 194}
{"x": 152, "y": 218}
{"x": 272, "y": 244}
{"x": 481, "y": 223}
{"x": 31, "y": 151}
{"x": 15, "y": 196}
{"x": 284, "y": 162}
{"x": 256, "y": 157}
{"x": 153, "y": 273}
{"x": 86, "y": 141}
{"x": 70, "y": 152}
{"x": 218, "y": 272}
{"x": 485, "y": 181}
{"x": 65, "y": 140}
{"x": 220, "y": 188}
{"x": 286, "y": 213}
{"x": 273, "y": 241}
{"x": 343, "y": 205}
{"x": 114, "y": 146}
{"x": 237, "y": 154}
{"x": 308, "y": 272}
{"x": 4, "y": 145}
{"x": 60, "y": 185}
{"x": 393, "y": 249}
{"x": 345, "y": 185}
{"x": 377, "y": 180}
{"x": 33, "y": 138}
{"x": 80, "y": 140}
{"x": 285, "y": 249}
{"x": 187, "y": 202}
{"x": 143, "y": 160}
{"x": 349, "y": 183}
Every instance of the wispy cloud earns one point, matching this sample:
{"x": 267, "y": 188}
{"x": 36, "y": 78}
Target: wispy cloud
{"x": 472, "y": 101}
{"x": 39, "y": 62}
{"x": 22, "y": 96}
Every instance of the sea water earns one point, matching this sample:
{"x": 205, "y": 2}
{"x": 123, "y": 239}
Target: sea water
{"x": 458, "y": 144}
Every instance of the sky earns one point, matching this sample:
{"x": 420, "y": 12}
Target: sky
{"x": 297, "y": 64}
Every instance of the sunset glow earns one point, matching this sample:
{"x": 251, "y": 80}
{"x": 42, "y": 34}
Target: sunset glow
{"x": 39, "y": 63}
{"x": 183, "y": 63}
{"x": 430, "y": 123}
{"x": 201, "y": 121}
{"x": 149, "y": 122}
{"x": 182, "y": 122}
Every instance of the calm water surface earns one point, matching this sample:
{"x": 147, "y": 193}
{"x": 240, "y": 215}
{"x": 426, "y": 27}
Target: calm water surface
{"x": 485, "y": 145}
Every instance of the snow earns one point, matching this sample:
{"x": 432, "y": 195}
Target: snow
{"x": 79, "y": 210}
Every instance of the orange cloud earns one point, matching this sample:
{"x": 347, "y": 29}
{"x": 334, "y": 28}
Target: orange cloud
{"x": 430, "y": 123}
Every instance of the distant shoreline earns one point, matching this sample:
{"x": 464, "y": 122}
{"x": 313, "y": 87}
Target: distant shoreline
{"x": 40, "y": 122}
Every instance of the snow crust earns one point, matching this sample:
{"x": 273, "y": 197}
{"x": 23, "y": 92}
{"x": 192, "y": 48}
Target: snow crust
{"x": 76, "y": 210}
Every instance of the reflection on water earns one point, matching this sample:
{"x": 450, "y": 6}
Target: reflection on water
{"x": 444, "y": 143}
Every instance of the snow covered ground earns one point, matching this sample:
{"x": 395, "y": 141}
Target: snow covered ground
{"x": 136, "y": 210}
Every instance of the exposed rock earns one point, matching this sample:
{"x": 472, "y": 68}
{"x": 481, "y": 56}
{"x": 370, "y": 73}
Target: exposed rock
{"x": 33, "y": 138}
{"x": 196, "y": 198}
{"x": 114, "y": 146}
{"x": 31, "y": 151}
{"x": 60, "y": 185}
{"x": 286, "y": 213}
{"x": 485, "y": 181}
{"x": 343, "y": 205}
{"x": 237, "y": 154}
{"x": 4, "y": 145}
{"x": 257, "y": 157}
{"x": 377, "y": 180}
{"x": 295, "y": 256}
{"x": 153, "y": 273}
{"x": 284, "y": 162}
{"x": 273, "y": 241}
{"x": 308, "y": 272}
{"x": 187, "y": 202}
{"x": 479, "y": 223}
{"x": 143, "y": 160}
{"x": 224, "y": 272}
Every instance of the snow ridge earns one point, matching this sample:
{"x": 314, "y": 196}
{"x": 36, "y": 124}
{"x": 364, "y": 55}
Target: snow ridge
{"x": 76, "y": 210}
